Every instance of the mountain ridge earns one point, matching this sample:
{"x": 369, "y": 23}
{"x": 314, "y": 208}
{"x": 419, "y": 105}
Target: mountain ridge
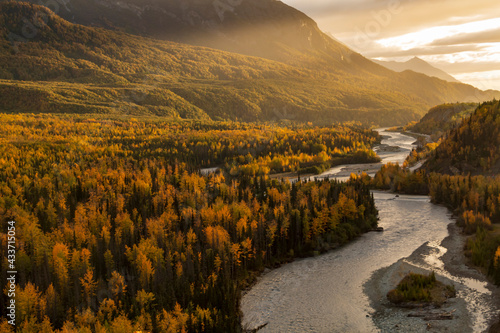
{"x": 442, "y": 118}
{"x": 473, "y": 147}
{"x": 417, "y": 65}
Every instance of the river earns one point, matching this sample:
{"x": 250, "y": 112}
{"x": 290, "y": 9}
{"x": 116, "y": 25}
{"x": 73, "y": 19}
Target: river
{"x": 394, "y": 148}
{"x": 327, "y": 293}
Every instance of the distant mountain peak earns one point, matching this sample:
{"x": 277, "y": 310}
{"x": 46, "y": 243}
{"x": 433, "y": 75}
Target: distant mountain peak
{"x": 415, "y": 59}
{"x": 418, "y": 65}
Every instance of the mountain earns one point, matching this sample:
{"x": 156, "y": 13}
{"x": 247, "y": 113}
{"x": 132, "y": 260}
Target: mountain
{"x": 58, "y": 66}
{"x": 419, "y": 66}
{"x": 473, "y": 147}
{"x": 264, "y": 28}
{"x": 443, "y": 118}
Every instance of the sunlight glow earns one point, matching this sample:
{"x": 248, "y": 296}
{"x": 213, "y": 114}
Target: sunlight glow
{"x": 427, "y": 36}
{"x": 488, "y": 52}
{"x": 482, "y": 80}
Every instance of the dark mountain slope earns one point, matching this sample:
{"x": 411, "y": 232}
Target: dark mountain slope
{"x": 264, "y": 28}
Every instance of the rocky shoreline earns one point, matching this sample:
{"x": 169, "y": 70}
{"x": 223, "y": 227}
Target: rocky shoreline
{"x": 447, "y": 260}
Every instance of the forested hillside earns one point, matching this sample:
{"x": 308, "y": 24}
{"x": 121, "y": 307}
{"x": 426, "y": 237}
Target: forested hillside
{"x": 442, "y": 118}
{"x": 63, "y": 67}
{"x": 264, "y": 28}
{"x": 117, "y": 231}
{"x": 463, "y": 173}
{"x": 473, "y": 147}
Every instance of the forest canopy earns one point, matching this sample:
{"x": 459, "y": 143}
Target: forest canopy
{"x": 117, "y": 230}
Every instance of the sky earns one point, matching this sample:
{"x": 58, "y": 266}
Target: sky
{"x": 461, "y": 37}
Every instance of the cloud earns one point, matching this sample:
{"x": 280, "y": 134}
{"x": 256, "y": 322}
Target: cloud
{"x": 429, "y": 35}
{"x": 483, "y": 80}
{"x": 394, "y": 52}
{"x": 346, "y": 16}
{"x": 465, "y": 67}
{"x": 319, "y": 8}
{"x": 488, "y": 36}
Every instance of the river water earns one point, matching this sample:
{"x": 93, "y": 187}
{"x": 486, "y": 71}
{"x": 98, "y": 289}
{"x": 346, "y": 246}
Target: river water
{"x": 325, "y": 293}
{"x": 394, "y": 148}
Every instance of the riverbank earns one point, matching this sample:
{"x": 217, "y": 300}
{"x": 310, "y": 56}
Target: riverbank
{"x": 394, "y": 148}
{"x": 469, "y": 309}
{"x": 325, "y": 293}
{"x": 345, "y": 290}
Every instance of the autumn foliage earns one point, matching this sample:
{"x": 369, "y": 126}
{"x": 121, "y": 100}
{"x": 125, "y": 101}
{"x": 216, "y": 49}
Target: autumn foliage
{"x": 118, "y": 231}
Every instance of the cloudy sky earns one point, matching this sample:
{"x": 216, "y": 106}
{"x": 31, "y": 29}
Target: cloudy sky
{"x": 461, "y": 37}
